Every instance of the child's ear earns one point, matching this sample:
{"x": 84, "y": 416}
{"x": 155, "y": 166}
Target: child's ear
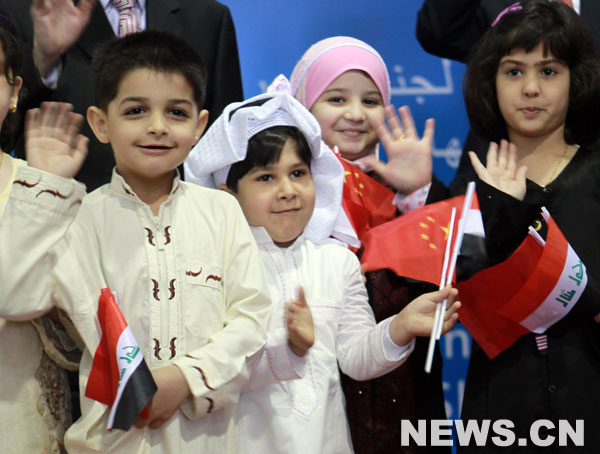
{"x": 224, "y": 187}
{"x": 97, "y": 120}
{"x": 14, "y": 97}
{"x": 201, "y": 125}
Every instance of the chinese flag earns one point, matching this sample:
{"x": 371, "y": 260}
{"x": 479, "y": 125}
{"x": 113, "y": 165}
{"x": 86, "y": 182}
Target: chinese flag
{"x": 367, "y": 203}
{"x": 413, "y": 244}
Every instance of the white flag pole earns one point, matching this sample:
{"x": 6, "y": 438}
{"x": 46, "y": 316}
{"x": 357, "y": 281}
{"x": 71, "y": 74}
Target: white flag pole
{"x": 438, "y": 309}
{"x": 457, "y": 244}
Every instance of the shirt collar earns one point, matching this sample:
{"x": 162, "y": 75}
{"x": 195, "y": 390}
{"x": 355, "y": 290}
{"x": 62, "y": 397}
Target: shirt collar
{"x": 119, "y": 186}
{"x": 263, "y": 238}
{"x": 140, "y": 3}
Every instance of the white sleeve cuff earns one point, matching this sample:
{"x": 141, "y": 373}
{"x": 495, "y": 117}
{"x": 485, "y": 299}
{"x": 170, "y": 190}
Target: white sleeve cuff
{"x": 391, "y": 350}
{"x": 51, "y": 80}
{"x": 412, "y": 201}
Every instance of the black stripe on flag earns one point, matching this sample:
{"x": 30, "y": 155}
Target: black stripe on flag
{"x": 138, "y": 391}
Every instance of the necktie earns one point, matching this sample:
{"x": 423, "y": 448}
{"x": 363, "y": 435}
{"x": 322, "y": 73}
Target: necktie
{"x": 127, "y": 18}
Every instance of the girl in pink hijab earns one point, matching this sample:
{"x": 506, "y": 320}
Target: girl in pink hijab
{"x": 345, "y": 84}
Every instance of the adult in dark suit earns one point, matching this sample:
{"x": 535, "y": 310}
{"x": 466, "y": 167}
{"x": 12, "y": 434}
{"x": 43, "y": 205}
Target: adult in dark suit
{"x": 450, "y": 28}
{"x": 64, "y": 33}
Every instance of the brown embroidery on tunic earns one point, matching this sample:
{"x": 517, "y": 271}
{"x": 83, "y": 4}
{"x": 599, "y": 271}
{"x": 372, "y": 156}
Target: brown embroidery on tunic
{"x": 26, "y": 184}
{"x": 127, "y": 191}
{"x": 172, "y": 289}
{"x": 190, "y": 356}
{"x": 214, "y": 277}
{"x": 157, "y": 349}
{"x": 191, "y": 273}
{"x": 167, "y": 235}
{"x": 211, "y": 405}
{"x": 204, "y": 378}
{"x": 172, "y": 346}
{"x": 155, "y": 290}
{"x": 52, "y": 192}
{"x": 150, "y": 236}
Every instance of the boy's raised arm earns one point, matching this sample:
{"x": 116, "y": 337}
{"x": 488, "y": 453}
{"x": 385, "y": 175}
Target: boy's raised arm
{"x": 39, "y": 211}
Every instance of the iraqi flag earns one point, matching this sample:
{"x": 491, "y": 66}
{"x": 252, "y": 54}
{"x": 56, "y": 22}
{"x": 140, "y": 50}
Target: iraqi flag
{"x": 533, "y": 289}
{"x": 120, "y": 377}
{"x": 413, "y": 245}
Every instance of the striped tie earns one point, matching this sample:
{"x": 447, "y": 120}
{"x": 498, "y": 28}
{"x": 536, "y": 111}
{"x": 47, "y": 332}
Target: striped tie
{"x": 127, "y": 18}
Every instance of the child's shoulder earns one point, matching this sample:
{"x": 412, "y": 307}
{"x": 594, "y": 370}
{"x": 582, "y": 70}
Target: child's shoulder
{"x": 333, "y": 253}
{"x": 207, "y": 196}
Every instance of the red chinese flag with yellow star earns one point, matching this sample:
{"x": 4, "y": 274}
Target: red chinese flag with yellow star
{"x": 367, "y": 203}
{"x": 413, "y": 244}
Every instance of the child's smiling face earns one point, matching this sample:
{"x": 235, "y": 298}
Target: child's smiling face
{"x": 279, "y": 197}
{"x": 152, "y": 123}
{"x": 344, "y": 109}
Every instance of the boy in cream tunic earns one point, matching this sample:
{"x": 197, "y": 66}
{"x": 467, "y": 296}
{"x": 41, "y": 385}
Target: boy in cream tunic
{"x": 181, "y": 258}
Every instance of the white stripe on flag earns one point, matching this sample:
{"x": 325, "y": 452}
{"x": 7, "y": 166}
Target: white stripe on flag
{"x": 562, "y": 298}
{"x": 474, "y": 224}
{"x": 129, "y": 357}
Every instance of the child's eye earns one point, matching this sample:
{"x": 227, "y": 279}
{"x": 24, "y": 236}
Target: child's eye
{"x": 134, "y": 111}
{"x": 335, "y": 99}
{"x": 372, "y": 102}
{"x": 264, "y": 177}
{"x": 298, "y": 173}
{"x": 548, "y": 72}
{"x": 513, "y": 72}
{"x": 179, "y": 113}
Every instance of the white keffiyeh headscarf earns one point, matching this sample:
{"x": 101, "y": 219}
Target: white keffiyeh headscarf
{"x": 226, "y": 142}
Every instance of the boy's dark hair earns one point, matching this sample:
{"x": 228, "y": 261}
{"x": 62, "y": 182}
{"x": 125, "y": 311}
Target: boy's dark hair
{"x": 563, "y": 34}
{"x": 154, "y": 50}
{"x": 13, "y": 60}
{"x": 265, "y": 148}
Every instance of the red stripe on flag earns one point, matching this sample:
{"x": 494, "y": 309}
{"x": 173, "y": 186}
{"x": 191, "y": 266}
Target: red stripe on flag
{"x": 104, "y": 377}
{"x": 542, "y": 279}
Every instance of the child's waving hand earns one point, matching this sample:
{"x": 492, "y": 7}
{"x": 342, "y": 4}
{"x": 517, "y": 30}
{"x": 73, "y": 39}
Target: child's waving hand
{"x": 409, "y": 165}
{"x": 52, "y": 139}
{"x": 501, "y": 169}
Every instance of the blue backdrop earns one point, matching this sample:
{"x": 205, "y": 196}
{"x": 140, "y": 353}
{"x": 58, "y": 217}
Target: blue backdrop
{"x": 272, "y": 35}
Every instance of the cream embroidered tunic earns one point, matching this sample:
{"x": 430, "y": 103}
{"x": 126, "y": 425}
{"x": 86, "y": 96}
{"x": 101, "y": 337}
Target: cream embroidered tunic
{"x": 189, "y": 282}
{"x": 34, "y": 392}
{"x": 307, "y": 415}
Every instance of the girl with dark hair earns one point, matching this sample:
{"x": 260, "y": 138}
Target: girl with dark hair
{"x": 533, "y": 84}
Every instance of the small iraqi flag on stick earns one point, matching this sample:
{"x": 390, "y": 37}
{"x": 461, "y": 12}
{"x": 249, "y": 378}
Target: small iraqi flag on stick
{"x": 120, "y": 377}
{"x": 530, "y": 291}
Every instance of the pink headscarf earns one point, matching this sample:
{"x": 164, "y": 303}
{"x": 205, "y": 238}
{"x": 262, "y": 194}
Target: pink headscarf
{"x": 328, "y": 59}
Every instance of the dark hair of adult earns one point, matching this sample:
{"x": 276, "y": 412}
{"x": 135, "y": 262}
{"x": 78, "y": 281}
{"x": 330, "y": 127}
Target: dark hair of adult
{"x": 265, "y": 148}
{"x": 154, "y": 50}
{"x": 563, "y": 34}
{"x": 13, "y": 59}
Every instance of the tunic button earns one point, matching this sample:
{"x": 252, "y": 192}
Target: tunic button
{"x": 547, "y": 190}
{"x": 552, "y": 388}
